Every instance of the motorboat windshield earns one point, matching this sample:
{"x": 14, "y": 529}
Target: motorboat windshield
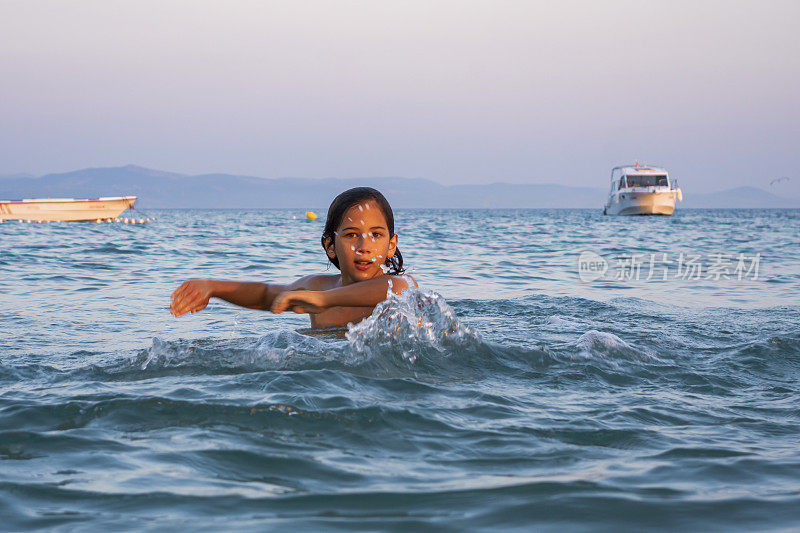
{"x": 646, "y": 180}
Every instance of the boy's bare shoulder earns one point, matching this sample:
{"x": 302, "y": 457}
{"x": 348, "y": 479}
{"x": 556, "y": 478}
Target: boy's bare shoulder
{"x": 401, "y": 282}
{"x": 407, "y": 279}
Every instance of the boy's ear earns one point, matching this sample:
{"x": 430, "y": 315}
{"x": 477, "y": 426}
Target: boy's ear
{"x": 329, "y": 249}
{"x": 392, "y": 246}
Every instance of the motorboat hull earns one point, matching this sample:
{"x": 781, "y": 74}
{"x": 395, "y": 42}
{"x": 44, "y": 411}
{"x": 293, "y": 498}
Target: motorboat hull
{"x": 65, "y": 209}
{"x": 642, "y": 203}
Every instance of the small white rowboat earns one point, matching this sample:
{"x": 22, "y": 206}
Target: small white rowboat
{"x": 65, "y": 209}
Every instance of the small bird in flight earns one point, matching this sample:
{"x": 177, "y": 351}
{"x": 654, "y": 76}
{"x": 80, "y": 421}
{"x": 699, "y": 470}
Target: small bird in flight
{"x": 778, "y": 180}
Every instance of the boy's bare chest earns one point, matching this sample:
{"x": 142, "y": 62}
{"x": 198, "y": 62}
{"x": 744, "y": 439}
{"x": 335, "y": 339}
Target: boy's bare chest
{"x": 339, "y": 316}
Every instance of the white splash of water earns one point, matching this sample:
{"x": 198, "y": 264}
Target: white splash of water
{"x": 159, "y": 352}
{"x": 410, "y": 323}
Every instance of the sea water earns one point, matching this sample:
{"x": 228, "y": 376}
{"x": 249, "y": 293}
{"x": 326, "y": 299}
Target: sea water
{"x": 555, "y": 369}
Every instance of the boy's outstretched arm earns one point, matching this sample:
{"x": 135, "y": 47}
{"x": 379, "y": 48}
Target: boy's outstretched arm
{"x": 193, "y": 295}
{"x": 367, "y": 293}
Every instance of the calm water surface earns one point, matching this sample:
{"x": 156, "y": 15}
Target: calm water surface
{"x": 505, "y": 393}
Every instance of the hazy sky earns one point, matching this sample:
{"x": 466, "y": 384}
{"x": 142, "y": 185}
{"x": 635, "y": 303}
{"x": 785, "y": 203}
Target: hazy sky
{"x": 457, "y": 92}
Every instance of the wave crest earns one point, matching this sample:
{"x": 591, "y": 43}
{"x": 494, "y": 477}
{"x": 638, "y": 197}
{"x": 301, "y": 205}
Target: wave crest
{"x": 408, "y": 333}
{"x": 606, "y": 346}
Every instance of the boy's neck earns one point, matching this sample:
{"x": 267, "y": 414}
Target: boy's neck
{"x": 346, "y": 280}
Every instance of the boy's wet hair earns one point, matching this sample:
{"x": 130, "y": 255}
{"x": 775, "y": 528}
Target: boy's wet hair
{"x": 345, "y": 201}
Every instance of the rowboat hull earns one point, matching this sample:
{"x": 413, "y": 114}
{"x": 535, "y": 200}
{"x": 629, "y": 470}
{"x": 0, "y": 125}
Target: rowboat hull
{"x": 65, "y": 209}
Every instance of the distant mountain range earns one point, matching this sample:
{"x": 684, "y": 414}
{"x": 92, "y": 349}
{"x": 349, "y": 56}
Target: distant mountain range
{"x": 159, "y": 189}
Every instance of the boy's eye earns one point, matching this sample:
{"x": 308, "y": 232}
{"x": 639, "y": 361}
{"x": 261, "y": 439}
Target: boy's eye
{"x": 376, "y": 234}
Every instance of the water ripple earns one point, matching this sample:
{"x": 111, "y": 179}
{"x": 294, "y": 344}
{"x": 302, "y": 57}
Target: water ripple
{"x": 505, "y": 393}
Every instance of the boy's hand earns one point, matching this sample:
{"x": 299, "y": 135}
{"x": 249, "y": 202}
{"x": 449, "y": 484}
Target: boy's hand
{"x": 299, "y": 302}
{"x": 191, "y": 296}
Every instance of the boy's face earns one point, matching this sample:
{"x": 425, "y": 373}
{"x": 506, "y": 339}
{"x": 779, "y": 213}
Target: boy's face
{"x": 362, "y": 242}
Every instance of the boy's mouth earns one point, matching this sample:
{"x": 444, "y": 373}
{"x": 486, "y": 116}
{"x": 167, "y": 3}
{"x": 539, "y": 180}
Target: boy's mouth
{"x": 362, "y": 264}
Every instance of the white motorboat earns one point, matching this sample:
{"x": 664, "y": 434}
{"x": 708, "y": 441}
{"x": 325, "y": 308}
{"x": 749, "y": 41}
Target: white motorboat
{"x": 65, "y": 209}
{"x": 641, "y": 190}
